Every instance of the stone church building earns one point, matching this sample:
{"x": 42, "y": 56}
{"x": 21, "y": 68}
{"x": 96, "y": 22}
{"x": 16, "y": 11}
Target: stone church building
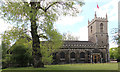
{"x": 95, "y": 50}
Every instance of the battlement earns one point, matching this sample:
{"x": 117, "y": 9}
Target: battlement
{"x": 98, "y": 19}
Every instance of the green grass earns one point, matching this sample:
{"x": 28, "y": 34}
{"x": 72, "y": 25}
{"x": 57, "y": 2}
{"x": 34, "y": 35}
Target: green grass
{"x": 100, "y": 66}
{"x": 119, "y": 66}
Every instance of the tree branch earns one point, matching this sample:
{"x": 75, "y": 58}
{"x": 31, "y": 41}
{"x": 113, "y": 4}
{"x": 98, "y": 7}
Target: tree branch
{"x": 51, "y": 5}
{"x": 38, "y": 6}
{"x": 43, "y": 36}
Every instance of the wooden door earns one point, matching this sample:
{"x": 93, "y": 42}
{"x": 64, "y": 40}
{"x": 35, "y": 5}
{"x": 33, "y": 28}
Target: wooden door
{"x": 96, "y": 58}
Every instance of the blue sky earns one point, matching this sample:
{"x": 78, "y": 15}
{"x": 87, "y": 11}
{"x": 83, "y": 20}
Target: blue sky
{"x": 77, "y": 26}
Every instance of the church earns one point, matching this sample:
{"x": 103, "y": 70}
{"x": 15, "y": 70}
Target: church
{"x": 95, "y": 50}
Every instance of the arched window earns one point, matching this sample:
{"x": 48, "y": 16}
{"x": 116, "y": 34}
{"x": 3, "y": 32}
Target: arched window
{"x": 62, "y": 55}
{"x": 82, "y": 55}
{"x": 101, "y": 27}
{"x": 72, "y": 55}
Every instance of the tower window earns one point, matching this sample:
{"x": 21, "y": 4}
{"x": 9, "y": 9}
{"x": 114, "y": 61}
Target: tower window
{"x": 101, "y": 27}
{"x": 102, "y": 41}
{"x": 91, "y": 29}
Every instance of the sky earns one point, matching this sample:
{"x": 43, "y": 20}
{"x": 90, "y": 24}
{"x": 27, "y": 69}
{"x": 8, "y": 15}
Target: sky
{"x": 77, "y": 26}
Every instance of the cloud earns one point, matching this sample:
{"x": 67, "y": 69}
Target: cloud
{"x": 69, "y": 20}
{"x": 111, "y": 8}
{"x": 82, "y": 34}
{"x": 112, "y": 44}
{"x": 4, "y": 26}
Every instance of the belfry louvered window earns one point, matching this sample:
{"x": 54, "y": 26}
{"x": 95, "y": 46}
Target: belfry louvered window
{"x": 91, "y": 29}
{"x": 101, "y": 27}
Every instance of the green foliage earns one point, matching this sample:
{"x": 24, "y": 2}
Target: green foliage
{"x": 21, "y": 55}
{"x": 13, "y": 35}
{"x": 6, "y": 58}
{"x": 20, "y": 12}
{"x": 114, "y": 53}
{"x": 118, "y": 52}
{"x": 53, "y": 41}
{"x": 50, "y": 46}
{"x": 9, "y": 37}
{"x": 116, "y": 38}
{"x": 6, "y": 61}
{"x": 0, "y": 53}
{"x": 4, "y": 49}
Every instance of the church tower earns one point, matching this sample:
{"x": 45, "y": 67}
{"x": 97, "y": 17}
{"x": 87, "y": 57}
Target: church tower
{"x": 98, "y": 33}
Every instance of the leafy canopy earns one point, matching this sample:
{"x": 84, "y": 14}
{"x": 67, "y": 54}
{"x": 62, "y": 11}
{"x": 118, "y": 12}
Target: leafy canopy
{"x": 45, "y": 13}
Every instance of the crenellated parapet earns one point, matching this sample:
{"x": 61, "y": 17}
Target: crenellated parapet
{"x": 103, "y": 19}
{"x": 98, "y": 19}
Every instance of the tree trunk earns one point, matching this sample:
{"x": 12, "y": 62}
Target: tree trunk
{"x": 37, "y": 56}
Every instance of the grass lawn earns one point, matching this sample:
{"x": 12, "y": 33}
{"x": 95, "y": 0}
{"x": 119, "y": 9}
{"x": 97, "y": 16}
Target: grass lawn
{"x": 119, "y": 66}
{"x": 87, "y": 66}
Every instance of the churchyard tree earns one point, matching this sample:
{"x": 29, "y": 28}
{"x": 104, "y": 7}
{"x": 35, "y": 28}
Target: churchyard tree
{"x": 38, "y": 16}
{"x": 69, "y": 36}
{"x": 116, "y": 37}
{"x": 13, "y": 37}
{"x": 114, "y": 53}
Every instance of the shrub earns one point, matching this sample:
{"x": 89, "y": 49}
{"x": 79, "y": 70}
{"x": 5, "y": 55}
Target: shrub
{"x": 6, "y": 61}
{"x": 21, "y": 56}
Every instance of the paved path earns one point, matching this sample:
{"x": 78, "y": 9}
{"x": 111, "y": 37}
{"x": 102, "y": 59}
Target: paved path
{"x": 113, "y": 61}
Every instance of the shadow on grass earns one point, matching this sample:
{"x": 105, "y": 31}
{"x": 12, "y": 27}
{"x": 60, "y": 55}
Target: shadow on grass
{"x": 60, "y": 71}
{"x": 68, "y": 69}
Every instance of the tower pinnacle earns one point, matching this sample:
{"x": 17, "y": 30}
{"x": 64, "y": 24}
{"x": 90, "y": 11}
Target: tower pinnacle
{"x": 106, "y": 15}
{"x": 95, "y": 15}
{"x": 88, "y": 21}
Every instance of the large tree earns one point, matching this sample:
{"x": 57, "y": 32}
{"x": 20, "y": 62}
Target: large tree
{"x": 38, "y": 15}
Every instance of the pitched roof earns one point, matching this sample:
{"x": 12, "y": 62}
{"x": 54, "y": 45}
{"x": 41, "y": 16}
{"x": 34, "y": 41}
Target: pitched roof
{"x": 78, "y": 44}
